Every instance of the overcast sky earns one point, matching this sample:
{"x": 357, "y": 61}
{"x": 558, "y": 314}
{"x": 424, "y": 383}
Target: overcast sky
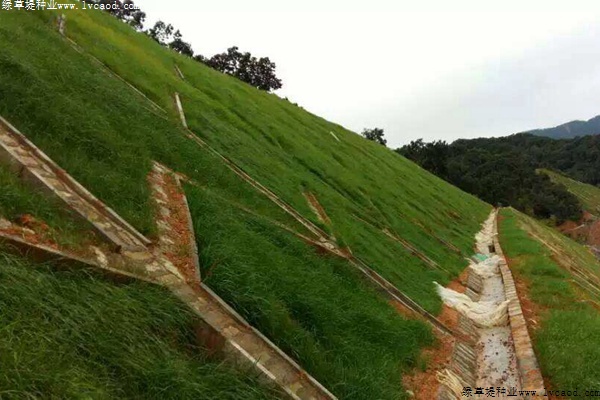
{"x": 418, "y": 69}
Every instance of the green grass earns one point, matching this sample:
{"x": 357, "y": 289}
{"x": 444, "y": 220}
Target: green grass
{"x": 351, "y": 339}
{"x": 566, "y": 341}
{"x": 313, "y": 306}
{"x": 291, "y": 150}
{"x": 69, "y": 335}
{"x": 17, "y": 199}
{"x": 589, "y": 195}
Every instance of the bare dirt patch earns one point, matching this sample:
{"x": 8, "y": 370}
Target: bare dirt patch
{"x": 594, "y": 234}
{"x": 586, "y": 230}
{"x": 175, "y": 236}
{"x": 317, "y": 208}
{"x": 28, "y": 228}
{"x": 424, "y": 383}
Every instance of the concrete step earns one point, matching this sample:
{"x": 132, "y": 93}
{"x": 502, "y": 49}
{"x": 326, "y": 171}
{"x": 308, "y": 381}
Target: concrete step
{"x": 240, "y": 341}
{"x": 222, "y": 330}
{"x": 35, "y": 167}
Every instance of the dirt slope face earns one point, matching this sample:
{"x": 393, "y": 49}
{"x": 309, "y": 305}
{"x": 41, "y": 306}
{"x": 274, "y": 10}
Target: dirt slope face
{"x": 587, "y": 230}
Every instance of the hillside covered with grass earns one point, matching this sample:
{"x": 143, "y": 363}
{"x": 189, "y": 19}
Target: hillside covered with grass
{"x": 312, "y": 305}
{"x": 559, "y": 289}
{"x": 73, "y": 335}
{"x": 589, "y": 195}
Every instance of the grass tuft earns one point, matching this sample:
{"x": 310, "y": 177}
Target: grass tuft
{"x": 70, "y": 335}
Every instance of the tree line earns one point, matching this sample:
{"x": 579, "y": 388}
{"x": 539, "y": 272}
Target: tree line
{"x": 258, "y": 72}
{"x": 502, "y": 171}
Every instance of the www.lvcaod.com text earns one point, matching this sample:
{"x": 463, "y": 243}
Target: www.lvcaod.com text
{"x": 33, "y": 5}
{"x": 501, "y": 392}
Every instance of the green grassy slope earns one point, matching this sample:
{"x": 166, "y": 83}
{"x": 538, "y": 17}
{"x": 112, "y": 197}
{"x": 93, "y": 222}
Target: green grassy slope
{"x": 69, "y": 335}
{"x": 17, "y": 199}
{"x": 312, "y": 306}
{"x": 568, "y": 325}
{"x": 589, "y": 195}
{"x": 291, "y": 150}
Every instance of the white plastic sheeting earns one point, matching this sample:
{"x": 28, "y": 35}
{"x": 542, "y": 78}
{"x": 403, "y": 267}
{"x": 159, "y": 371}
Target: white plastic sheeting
{"x": 496, "y": 361}
{"x": 485, "y": 236}
{"x": 485, "y": 314}
{"x": 487, "y": 268}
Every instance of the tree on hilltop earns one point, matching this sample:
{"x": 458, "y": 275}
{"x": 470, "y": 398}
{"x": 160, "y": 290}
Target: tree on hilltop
{"x": 166, "y": 35}
{"x": 125, "y": 10}
{"x": 161, "y": 32}
{"x": 432, "y": 156}
{"x": 375, "y": 134}
{"x": 259, "y": 73}
{"x": 181, "y": 46}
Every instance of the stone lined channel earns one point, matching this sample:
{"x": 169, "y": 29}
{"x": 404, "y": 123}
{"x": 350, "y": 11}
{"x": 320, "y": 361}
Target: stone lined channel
{"x": 35, "y": 167}
{"x": 496, "y": 360}
{"x": 488, "y": 356}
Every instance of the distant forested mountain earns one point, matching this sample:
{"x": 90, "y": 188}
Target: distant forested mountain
{"x": 503, "y": 170}
{"x": 570, "y": 129}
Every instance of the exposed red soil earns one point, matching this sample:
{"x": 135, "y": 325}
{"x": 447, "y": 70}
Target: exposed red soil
{"x": 317, "y": 208}
{"x": 568, "y": 226}
{"x": 37, "y": 232}
{"x": 424, "y": 384}
{"x": 32, "y": 230}
{"x": 345, "y": 251}
{"x": 402, "y": 310}
{"x": 586, "y": 230}
{"x": 588, "y": 216}
{"x": 594, "y": 234}
{"x": 574, "y": 230}
{"x": 179, "y": 253}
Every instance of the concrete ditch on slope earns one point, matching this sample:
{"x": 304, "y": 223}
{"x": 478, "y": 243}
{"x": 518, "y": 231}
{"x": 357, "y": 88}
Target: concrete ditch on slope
{"x": 219, "y": 328}
{"x": 531, "y": 376}
{"x": 498, "y": 353}
{"x": 33, "y": 166}
{"x": 327, "y": 243}
{"x": 154, "y": 108}
{"x": 133, "y": 257}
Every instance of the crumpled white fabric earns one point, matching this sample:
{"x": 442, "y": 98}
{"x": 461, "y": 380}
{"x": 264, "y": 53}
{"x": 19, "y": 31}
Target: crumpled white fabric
{"x": 484, "y": 314}
{"x": 487, "y": 268}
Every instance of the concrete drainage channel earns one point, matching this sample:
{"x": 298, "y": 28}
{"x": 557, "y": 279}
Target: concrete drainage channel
{"x": 32, "y": 165}
{"x": 154, "y": 108}
{"x": 383, "y": 286}
{"x": 137, "y": 260}
{"x": 486, "y": 354}
{"x": 134, "y": 257}
{"x": 494, "y": 349}
{"x": 490, "y": 351}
